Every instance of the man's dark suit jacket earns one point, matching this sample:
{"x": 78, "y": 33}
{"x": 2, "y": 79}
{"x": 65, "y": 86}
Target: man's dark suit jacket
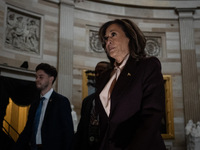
{"x": 57, "y": 128}
{"x": 81, "y": 140}
{"x": 137, "y": 107}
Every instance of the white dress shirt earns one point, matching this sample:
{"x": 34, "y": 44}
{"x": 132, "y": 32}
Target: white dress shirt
{"x": 44, "y": 106}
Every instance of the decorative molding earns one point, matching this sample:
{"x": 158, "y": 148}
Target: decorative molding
{"x": 95, "y": 44}
{"x": 53, "y": 1}
{"x": 23, "y": 31}
{"x": 78, "y": 1}
{"x": 183, "y": 12}
{"x": 92, "y": 40}
{"x": 17, "y": 73}
{"x": 153, "y": 47}
{"x": 65, "y": 1}
{"x": 155, "y": 44}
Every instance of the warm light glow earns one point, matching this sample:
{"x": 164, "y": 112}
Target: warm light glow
{"x": 16, "y": 116}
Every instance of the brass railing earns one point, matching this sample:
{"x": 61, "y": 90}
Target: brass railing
{"x": 8, "y": 131}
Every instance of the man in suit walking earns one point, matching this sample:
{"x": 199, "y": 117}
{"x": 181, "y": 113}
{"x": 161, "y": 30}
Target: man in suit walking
{"x": 49, "y": 124}
{"x": 86, "y": 137}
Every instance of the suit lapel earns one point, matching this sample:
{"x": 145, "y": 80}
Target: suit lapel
{"x": 49, "y": 105}
{"x": 104, "y": 79}
{"x": 125, "y": 78}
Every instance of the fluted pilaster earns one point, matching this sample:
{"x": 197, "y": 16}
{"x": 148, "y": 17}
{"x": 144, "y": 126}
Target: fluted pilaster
{"x": 189, "y": 66}
{"x": 65, "y": 56}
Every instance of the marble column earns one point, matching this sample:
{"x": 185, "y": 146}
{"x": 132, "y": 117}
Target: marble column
{"x": 65, "y": 53}
{"x": 189, "y": 65}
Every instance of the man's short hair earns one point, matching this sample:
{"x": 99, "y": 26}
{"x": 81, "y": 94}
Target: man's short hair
{"x": 48, "y": 69}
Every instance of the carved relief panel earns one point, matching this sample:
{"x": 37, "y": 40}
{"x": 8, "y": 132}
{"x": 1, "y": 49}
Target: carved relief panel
{"x": 22, "y": 32}
{"x": 95, "y": 43}
{"x": 155, "y": 44}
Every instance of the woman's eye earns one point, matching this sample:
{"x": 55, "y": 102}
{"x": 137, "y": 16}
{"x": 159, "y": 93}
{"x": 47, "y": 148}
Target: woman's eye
{"x": 113, "y": 34}
{"x": 110, "y": 36}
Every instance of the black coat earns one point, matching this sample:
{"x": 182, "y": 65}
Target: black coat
{"x": 57, "y": 129}
{"x": 84, "y": 132}
{"x": 137, "y": 107}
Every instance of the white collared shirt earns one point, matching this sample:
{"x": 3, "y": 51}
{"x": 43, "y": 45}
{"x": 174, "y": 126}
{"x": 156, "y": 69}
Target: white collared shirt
{"x": 44, "y": 106}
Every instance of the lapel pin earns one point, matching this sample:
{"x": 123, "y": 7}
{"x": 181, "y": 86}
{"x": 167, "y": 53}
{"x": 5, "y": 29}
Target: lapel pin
{"x": 128, "y": 74}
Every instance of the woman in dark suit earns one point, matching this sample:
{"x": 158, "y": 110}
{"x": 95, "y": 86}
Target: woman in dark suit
{"x": 130, "y": 100}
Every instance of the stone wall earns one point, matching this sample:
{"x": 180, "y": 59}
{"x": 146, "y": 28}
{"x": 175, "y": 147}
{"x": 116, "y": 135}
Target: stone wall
{"x": 68, "y": 41}
{"x": 17, "y": 49}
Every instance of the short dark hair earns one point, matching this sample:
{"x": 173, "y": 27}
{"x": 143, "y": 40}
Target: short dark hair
{"x": 48, "y": 69}
{"x": 99, "y": 68}
{"x": 137, "y": 39}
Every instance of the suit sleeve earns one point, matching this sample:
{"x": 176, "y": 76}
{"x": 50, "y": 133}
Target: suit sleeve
{"x": 81, "y": 136}
{"x": 152, "y": 107}
{"x": 68, "y": 129}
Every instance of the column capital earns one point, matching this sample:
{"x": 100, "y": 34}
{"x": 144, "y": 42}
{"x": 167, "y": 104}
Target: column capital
{"x": 185, "y": 12}
{"x": 67, "y": 1}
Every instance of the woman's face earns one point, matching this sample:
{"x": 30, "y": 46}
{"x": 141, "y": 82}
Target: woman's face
{"x": 116, "y": 42}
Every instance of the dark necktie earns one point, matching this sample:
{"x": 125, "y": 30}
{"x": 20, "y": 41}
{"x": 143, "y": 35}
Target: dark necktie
{"x": 37, "y": 116}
